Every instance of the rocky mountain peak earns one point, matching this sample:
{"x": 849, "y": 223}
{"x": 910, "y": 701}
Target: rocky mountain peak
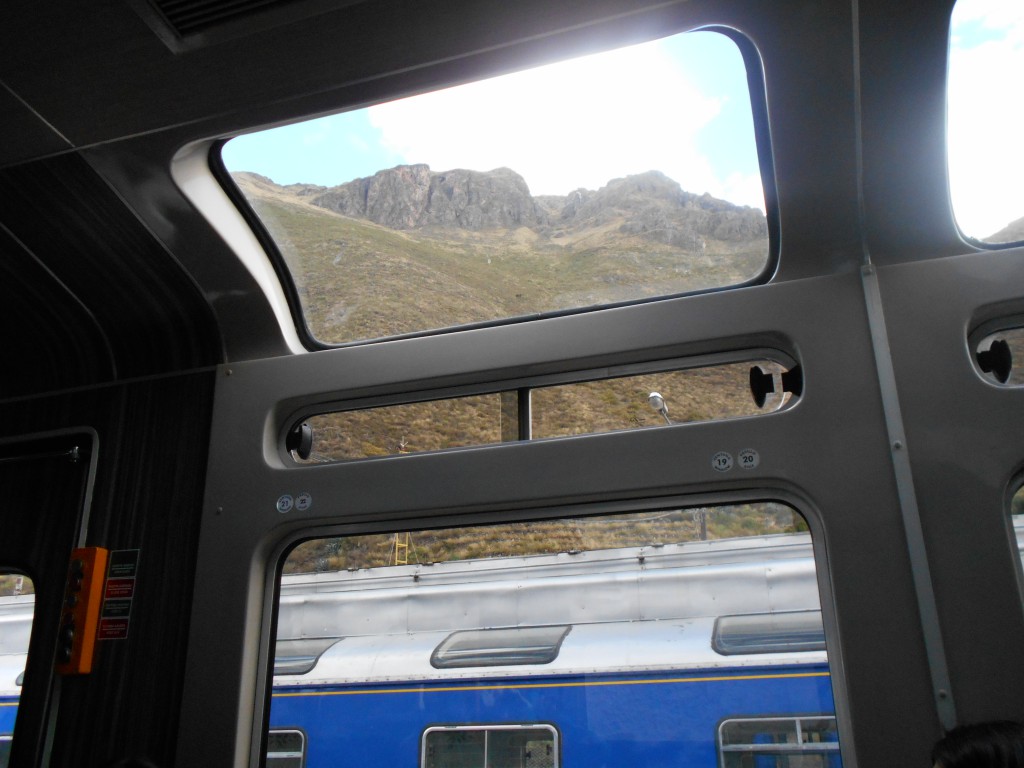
{"x": 413, "y": 197}
{"x": 645, "y": 207}
{"x": 1011, "y": 233}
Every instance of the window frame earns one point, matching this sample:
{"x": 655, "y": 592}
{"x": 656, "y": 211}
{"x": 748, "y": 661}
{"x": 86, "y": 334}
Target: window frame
{"x": 287, "y": 755}
{"x": 524, "y": 386}
{"x": 757, "y": 92}
{"x": 970, "y": 239}
{"x": 796, "y": 749}
{"x": 488, "y": 727}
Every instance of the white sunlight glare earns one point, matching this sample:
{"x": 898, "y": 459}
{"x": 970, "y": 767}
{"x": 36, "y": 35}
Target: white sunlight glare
{"x": 985, "y": 115}
{"x": 575, "y": 124}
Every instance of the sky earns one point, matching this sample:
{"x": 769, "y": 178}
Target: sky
{"x": 986, "y": 114}
{"x": 678, "y": 105}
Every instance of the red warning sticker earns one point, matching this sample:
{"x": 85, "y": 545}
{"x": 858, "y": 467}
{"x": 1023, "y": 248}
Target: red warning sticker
{"x": 112, "y": 629}
{"x": 117, "y": 588}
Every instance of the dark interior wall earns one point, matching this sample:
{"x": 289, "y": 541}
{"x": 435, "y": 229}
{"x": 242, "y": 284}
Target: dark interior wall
{"x": 103, "y": 331}
{"x": 88, "y": 293}
{"x": 152, "y": 452}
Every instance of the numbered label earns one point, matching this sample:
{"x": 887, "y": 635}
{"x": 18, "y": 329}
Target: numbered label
{"x": 722, "y": 461}
{"x": 285, "y": 504}
{"x": 303, "y": 502}
{"x": 749, "y": 458}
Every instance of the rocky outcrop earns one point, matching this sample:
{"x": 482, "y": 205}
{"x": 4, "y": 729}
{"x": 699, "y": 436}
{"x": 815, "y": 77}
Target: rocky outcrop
{"x": 647, "y": 206}
{"x": 1011, "y": 233}
{"x": 657, "y": 208}
{"x": 413, "y": 197}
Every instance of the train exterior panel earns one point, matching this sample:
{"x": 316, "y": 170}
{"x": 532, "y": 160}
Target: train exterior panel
{"x": 658, "y": 720}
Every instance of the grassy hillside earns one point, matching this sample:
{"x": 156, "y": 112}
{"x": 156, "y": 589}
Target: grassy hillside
{"x": 358, "y": 280}
{"x": 546, "y": 537}
{"x": 573, "y": 409}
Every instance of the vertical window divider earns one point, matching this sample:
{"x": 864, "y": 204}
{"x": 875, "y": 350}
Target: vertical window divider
{"x": 525, "y": 417}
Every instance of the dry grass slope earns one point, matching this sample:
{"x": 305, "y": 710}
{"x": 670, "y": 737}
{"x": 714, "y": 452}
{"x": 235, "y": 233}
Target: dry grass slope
{"x": 358, "y": 280}
{"x": 546, "y": 537}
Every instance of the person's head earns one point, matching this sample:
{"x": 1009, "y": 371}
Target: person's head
{"x": 997, "y": 744}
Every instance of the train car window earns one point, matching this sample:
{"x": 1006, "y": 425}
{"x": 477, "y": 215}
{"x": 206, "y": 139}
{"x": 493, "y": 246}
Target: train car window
{"x": 769, "y": 633}
{"x": 493, "y": 647}
{"x": 17, "y": 607}
{"x": 539, "y": 410}
{"x": 986, "y": 168}
{"x": 652, "y": 400}
{"x": 572, "y": 621}
{"x": 432, "y": 425}
{"x": 492, "y": 746}
{"x": 782, "y": 742}
{"x": 286, "y": 748}
{"x": 617, "y": 177}
{"x": 299, "y": 655}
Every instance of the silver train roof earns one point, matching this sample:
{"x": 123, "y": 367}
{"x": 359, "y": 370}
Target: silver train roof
{"x": 673, "y": 581}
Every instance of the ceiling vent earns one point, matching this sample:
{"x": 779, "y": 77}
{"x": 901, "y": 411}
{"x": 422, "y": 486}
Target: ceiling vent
{"x": 185, "y": 25}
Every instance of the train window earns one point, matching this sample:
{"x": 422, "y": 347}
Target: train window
{"x": 432, "y": 425}
{"x": 491, "y": 746}
{"x": 493, "y": 647}
{"x": 769, "y": 633}
{"x": 986, "y": 168}
{"x": 701, "y": 394}
{"x": 17, "y": 607}
{"x": 617, "y": 177}
{"x": 541, "y": 410}
{"x": 286, "y": 748}
{"x": 572, "y": 621}
{"x": 299, "y": 655}
{"x": 782, "y": 742}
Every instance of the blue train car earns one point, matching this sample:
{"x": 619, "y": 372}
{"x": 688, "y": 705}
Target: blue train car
{"x": 11, "y": 668}
{"x": 710, "y": 654}
{"x": 668, "y": 719}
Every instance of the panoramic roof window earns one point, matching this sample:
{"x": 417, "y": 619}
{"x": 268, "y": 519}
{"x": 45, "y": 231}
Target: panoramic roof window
{"x": 492, "y": 647}
{"x": 986, "y": 166}
{"x": 616, "y": 177}
{"x": 769, "y": 633}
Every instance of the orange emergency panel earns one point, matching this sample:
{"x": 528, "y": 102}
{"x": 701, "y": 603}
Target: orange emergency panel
{"x": 83, "y": 595}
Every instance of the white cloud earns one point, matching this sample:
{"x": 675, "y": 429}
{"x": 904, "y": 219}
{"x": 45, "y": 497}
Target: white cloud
{"x": 742, "y": 189}
{"x": 1000, "y": 15}
{"x": 564, "y": 126}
